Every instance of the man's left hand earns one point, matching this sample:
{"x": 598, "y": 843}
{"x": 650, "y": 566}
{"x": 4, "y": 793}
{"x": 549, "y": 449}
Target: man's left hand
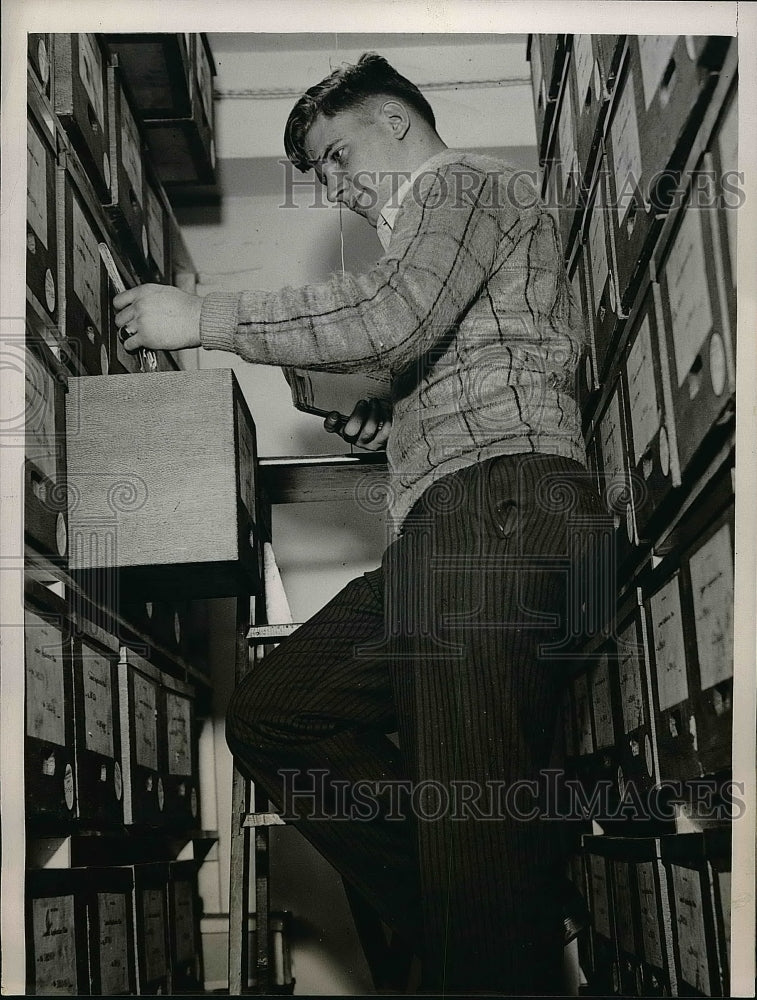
{"x": 159, "y": 317}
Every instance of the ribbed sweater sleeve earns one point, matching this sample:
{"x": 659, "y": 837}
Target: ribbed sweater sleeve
{"x": 446, "y": 237}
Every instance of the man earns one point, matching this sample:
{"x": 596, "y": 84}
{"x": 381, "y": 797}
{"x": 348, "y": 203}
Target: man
{"x": 453, "y": 643}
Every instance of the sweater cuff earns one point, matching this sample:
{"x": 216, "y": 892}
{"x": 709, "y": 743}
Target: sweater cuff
{"x": 218, "y": 320}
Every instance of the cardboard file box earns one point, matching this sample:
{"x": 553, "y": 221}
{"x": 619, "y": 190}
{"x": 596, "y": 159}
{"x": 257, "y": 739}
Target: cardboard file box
{"x": 698, "y": 867}
{"x": 184, "y": 927}
{"x": 45, "y": 502}
{"x": 539, "y": 90}
{"x": 600, "y": 264}
{"x": 99, "y": 777}
{"x": 41, "y": 229}
{"x": 49, "y": 757}
{"x": 110, "y": 907}
{"x": 604, "y": 763}
{"x": 164, "y": 464}
{"x": 180, "y": 765}
{"x": 56, "y": 933}
{"x": 570, "y": 190}
{"x": 81, "y": 102}
{"x": 593, "y": 69}
{"x": 150, "y": 916}
{"x": 87, "y": 315}
{"x": 40, "y": 55}
{"x": 647, "y": 396}
{"x": 157, "y": 69}
{"x": 142, "y": 722}
{"x": 606, "y": 970}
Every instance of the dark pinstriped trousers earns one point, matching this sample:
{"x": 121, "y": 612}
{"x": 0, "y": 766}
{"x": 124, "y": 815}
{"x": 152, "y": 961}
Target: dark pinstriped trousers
{"x": 446, "y": 645}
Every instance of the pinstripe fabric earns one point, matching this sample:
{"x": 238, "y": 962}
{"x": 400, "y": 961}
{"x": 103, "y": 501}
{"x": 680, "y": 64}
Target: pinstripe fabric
{"x": 445, "y": 644}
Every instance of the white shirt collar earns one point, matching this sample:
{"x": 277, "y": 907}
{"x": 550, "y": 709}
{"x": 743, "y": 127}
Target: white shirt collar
{"x": 388, "y": 214}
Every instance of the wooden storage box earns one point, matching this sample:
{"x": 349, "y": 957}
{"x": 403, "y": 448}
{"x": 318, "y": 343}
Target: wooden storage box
{"x": 99, "y": 777}
{"x": 184, "y": 928}
{"x": 181, "y": 448}
{"x": 180, "y": 766}
{"x": 150, "y": 915}
{"x": 157, "y": 69}
{"x": 142, "y": 723}
{"x": 45, "y": 505}
{"x": 80, "y": 101}
{"x": 110, "y": 908}
{"x": 86, "y": 318}
{"x": 39, "y": 49}
{"x": 56, "y": 933}
{"x": 49, "y": 757}
{"x": 41, "y": 229}
{"x": 605, "y": 761}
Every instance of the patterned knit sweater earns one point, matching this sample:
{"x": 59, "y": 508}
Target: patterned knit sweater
{"x": 469, "y": 311}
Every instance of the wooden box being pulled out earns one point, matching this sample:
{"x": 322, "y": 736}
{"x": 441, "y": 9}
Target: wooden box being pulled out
{"x": 161, "y": 470}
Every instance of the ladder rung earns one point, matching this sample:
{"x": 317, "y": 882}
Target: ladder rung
{"x": 262, "y": 819}
{"x": 270, "y": 633}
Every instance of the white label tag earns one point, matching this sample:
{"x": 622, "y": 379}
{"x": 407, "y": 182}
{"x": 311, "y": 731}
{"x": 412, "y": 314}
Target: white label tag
{"x": 179, "y": 719}
{"x": 670, "y": 651}
{"x": 601, "y": 907}
{"x": 145, "y": 722}
{"x": 114, "y": 970}
{"x": 604, "y": 732}
{"x": 131, "y": 154}
{"x": 98, "y": 701}
{"x": 629, "y": 670}
{"x": 86, "y": 264}
{"x": 54, "y": 946}
{"x": 45, "y": 698}
{"x": 91, "y": 74}
{"x": 650, "y": 917}
{"x": 600, "y": 268}
{"x": 36, "y": 184}
{"x": 711, "y": 569}
{"x": 688, "y": 293}
{"x": 583, "y": 60}
{"x": 626, "y": 149}
{"x": 39, "y": 389}
{"x": 689, "y": 923}
{"x": 655, "y": 52}
{"x": 645, "y": 414}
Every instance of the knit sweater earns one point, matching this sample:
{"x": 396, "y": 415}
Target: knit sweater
{"x": 469, "y": 312}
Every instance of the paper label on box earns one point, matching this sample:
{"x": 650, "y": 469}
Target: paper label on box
{"x": 600, "y": 908}
{"x": 670, "y": 651}
{"x": 655, "y": 52}
{"x": 153, "y": 926}
{"x": 145, "y": 723}
{"x": 711, "y": 569}
{"x": 650, "y": 916}
{"x": 582, "y": 708}
{"x": 42, "y": 439}
{"x": 155, "y": 235}
{"x": 689, "y": 926}
{"x": 91, "y": 74}
{"x": 179, "y": 721}
{"x": 36, "y": 184}
{"x": 600, "y": 267}
{"x": 246, "y": 462}
{"x": 45, "y": 697}
{"x": 604, "y": 732}
{"x": 688, "y": 293}
{"x": 86, "y": 264}
{"x": 98, "y": 701}
{"x": 54, "y": 946}
{"x": 629, "y": 672}
{"x": 184, "y": 920}
{"x": 565, "y": 138}
{"x": 583, "y": 60}
{"x": 611, "y": 443}
{"x": 112, "y": 940}
{"x": 623, "y": 907}
{"x": 626, "y": 149}
{"x": 645, "y": 414}
{"x": 131, "y": 151}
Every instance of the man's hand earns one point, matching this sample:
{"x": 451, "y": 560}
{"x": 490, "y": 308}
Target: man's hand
{"x": 368, "y": 425}
{"x": 159, "y": 317}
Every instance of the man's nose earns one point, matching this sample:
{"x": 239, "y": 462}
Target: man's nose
{"x": 336, "y": 184}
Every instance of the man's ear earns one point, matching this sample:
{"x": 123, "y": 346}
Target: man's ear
{"x": 396, "y": 116}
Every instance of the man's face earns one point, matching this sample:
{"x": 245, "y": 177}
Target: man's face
{"x": 352, "y": 156}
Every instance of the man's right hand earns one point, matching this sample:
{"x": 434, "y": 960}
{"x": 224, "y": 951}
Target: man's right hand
{"x": 368, "y": 425}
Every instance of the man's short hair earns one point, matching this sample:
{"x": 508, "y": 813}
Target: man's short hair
{"x": 347, "y": 87}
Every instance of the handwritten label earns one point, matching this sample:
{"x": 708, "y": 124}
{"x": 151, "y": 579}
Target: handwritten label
{"x": 600, "y": 900}
{"x": 582, "y": 707}
{"x": 626, "y": 149}
{"x": 36, "y": 183}
{"x": 655, "y": 52}
{"x": 246, "y": 462}
{"x": 604, "y": 732}
{"x": 629, "y": 671}
{"x": 114, "y": 968}
{"x": 86, "y": 264}
{"x": 645, "y": 414}
{"x": 131, "y": 149}
{"x": 650, "y": 917}
{"x": 670, "y": 652}
{"x": 689, "y": 924}
{"x": 583, "y": 60}
{"x": 91, "y": 74}
{"x": 184, "y": 920}
{"x": 54, "y": 945}
{"x": 179, "y": 720}
{"x": 728, "y": 142}
{"x": 600, "y": 268}
{"x": 42, "y": 437}
{"x": 565, "y": 138}
{"x": 45, "y": 700}
{"x": 688, "y": 293}
{"x": 98, "y": 701}
{"x": 623, "y": 908}
{"x": 145, "y": 722}
{"x": 154, "y": 927}
{"x": 711, "y": 569}
{"x": 155, "y": 234}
